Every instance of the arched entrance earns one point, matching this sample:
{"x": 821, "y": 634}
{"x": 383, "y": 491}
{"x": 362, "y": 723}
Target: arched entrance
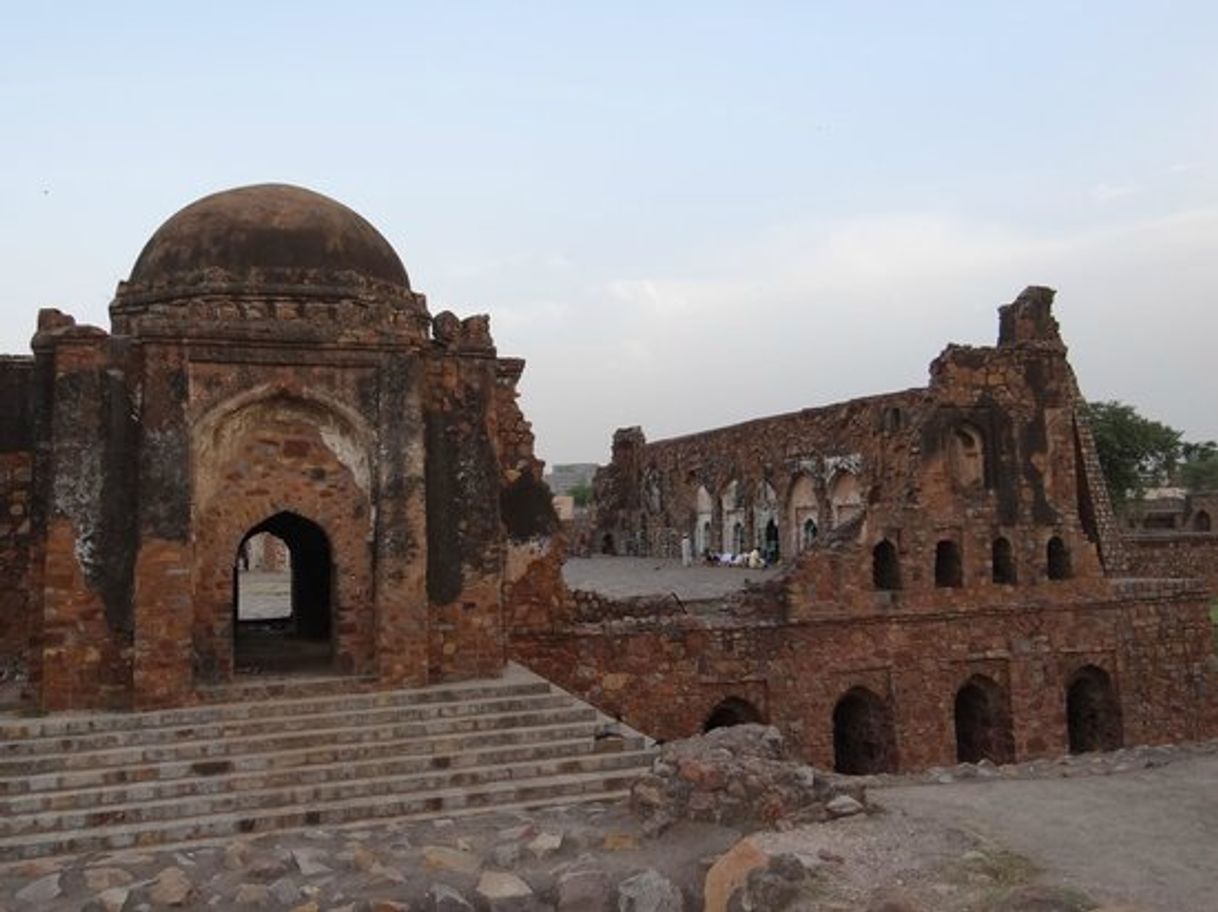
{"x": 864, "y": 741}
{"x": 771, "y": 542}
{"x": 282, "y": 611}
{"x": 1093, "y": 715}
{"x": 732, "y": 711}
{"x": 983, "y": 722}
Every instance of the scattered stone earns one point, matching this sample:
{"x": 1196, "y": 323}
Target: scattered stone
{"x": 844, "y": 806}
{"x": 502, "y": 891}
{"x": 39, "y": 867}
{"x": 101, "y": 879}
{"x": 310, "y": 906}
{"x": 583, "y": 889}
{"x": 285, "y": 891}
{"x": 730, "y": 873}
{"x": 387, "y": 905}
{"x": 1036, "y": 898}
{"x": 42, "y": 890}
{"x": 739, "y": 775}
{"x": 446, "y": 899}
{"x": 364, "y": 860}
{"x": 171, "y": 888}
{"x": 620, "y": 842}
{"x": 649, "y": 891}
{"x": 545, "y": 844}
{"x": 506, "y": 855}
{"x": 443, "y": 858}
{"x": 268, "y": 867}
{"x": 784, "y": 884}
{"x": 252, "y": 896}
{"x": 308, "y": 862}
{"x": 111, "y": 900}
{"x": 236, "y": 856}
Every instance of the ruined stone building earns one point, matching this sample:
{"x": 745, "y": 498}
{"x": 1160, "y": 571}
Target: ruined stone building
{"x": 269, "y": 370}
{"x": 955, "y": 584}
{"x": 956, "y": 588}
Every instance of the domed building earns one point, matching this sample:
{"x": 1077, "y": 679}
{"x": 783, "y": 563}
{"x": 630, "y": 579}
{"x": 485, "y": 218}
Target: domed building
{"x": 269, "y": 371}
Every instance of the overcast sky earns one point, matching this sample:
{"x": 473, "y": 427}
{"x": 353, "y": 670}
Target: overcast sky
{"x": 681, "y": 215}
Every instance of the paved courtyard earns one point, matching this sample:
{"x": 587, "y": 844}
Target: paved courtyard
{"x": 623, "y": 577}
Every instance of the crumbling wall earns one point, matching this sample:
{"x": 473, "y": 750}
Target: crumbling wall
{"x": 1188, "y": 555}
{"x": 666, "y": 675}
{"x": 16, "y": 503}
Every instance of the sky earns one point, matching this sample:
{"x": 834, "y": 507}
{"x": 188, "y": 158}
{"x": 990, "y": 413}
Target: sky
{"x": 682, "y": 215}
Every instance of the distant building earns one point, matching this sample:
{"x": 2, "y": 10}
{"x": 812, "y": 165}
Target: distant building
{"x": 564, "y": 478}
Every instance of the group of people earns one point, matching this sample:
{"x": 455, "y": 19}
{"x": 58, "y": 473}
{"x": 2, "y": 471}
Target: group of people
{"x": 751, "y": 559}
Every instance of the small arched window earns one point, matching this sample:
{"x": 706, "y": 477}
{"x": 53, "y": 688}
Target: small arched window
{"x": 1058, "y": 559}
{"x": 1201, "y": 522}
{"x": 885, "y": 567}
{"x": 808, "y": 534}
{"x": 949, "y": 572}
{"x": 1003, "y": 562}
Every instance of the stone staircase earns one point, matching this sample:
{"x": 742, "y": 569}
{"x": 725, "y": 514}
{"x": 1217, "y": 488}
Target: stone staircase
{"x": 293, "y": 753}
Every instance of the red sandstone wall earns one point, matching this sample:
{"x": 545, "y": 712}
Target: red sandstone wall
{"x": 1190, "y": 555}
{"x": 664, "y": 676}
{"x": 16, "y": 538}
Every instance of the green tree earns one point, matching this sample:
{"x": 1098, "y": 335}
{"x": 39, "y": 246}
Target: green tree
{"x": 1199, "y": 469}
{"x": 1135, "y": 452}
{"x": 582, "y": 495}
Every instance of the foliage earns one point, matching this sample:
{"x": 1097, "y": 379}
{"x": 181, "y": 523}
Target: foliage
{"x": 1135, "y": 452}
{"x": 582, "y": 495}
{"x": 1199, "y": 471}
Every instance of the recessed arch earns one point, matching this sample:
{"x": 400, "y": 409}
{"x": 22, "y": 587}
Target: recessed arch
{"x": 1202, "y": 522}
{"x": 1002, "y": 562}
{"x": 864, "y": 740}
{"x": 704, "y": 514}
{"x": 983, "y": 722}
{"x": 732, "y": 711}
{"x": 1057, "y": 559}
{"x": 949, "y": 567}
{"x": 885, "y": 566}
{"x": 1093, "y": 713}
{"x": 803, "y": 508}
{"x": 967, "y": 451}
{"x": 264, "y": 636}
{"x": 845, "y": 498}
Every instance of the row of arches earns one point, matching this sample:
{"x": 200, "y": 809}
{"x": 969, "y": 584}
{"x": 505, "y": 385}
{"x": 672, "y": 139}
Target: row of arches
{"x": 763, "y": 521}
{"x": 864, "y": 733}
{"x": 949, "y": 563}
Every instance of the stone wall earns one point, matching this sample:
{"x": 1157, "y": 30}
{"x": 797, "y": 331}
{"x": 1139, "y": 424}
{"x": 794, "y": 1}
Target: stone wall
{"x": 16, "y": 501}
{"x": 666, "y": 674}
{"x": 1191, "y": 555}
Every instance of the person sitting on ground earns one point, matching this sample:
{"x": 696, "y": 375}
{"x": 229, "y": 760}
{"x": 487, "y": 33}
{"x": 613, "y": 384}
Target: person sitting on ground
{"x": 756, "y": 561}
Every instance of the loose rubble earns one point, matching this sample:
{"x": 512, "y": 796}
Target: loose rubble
{"x": 741, "y": 776}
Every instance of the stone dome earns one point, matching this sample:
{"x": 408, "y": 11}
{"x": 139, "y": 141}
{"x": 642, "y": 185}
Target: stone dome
{"x": 270, "y": 233}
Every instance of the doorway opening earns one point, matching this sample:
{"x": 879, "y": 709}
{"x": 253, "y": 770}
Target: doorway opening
{"x": 282, "y": 597}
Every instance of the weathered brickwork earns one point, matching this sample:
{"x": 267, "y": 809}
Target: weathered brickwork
{"x": 270, "y": 370}
{"x": 1192, "y": 555}
{"x": 955, "y": 583}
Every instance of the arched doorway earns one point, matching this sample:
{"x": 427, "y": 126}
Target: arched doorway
{"x": 863, "y": 738}
{"x": 732, "y": 711}
{"x": 282, "y": 608}
{"x": 983, "y": 722}
{"x": 1093, "y": 715}
{"x": 771, "y": 542}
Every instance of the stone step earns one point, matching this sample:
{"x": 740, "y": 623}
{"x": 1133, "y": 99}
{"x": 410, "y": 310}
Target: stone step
{"x": 266, "y": 761}
{"x": 296, "y": 722}
{"x": 323, "y": 793}
{"x": 420, "y": 804}
{"x": 160, "y": 787}
{"x": 352, "y": 733}
{"x": 17, "y": 729}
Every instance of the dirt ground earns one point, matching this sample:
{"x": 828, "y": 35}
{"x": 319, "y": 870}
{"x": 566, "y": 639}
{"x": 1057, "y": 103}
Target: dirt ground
{"x": 1148, "y": 837}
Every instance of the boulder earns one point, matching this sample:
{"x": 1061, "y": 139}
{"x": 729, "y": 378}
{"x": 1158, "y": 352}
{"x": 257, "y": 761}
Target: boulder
{"x": 649, "y": 891}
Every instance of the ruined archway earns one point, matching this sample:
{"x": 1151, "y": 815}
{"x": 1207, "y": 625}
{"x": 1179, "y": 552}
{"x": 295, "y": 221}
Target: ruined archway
{"x": 983, "y": 722}
{"x": 1057, "y": 560}
{"x": 885, "y": 566}
{"x": 1003, "y": 562}
{"x": 864, "y": 740}
{"x": 949, "y": 569}
{"x": 1093, "y": 714}
{"x": 265, "y": 636}
{"x": 732, "y": 711}
{"x": 1201, "y": 522}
